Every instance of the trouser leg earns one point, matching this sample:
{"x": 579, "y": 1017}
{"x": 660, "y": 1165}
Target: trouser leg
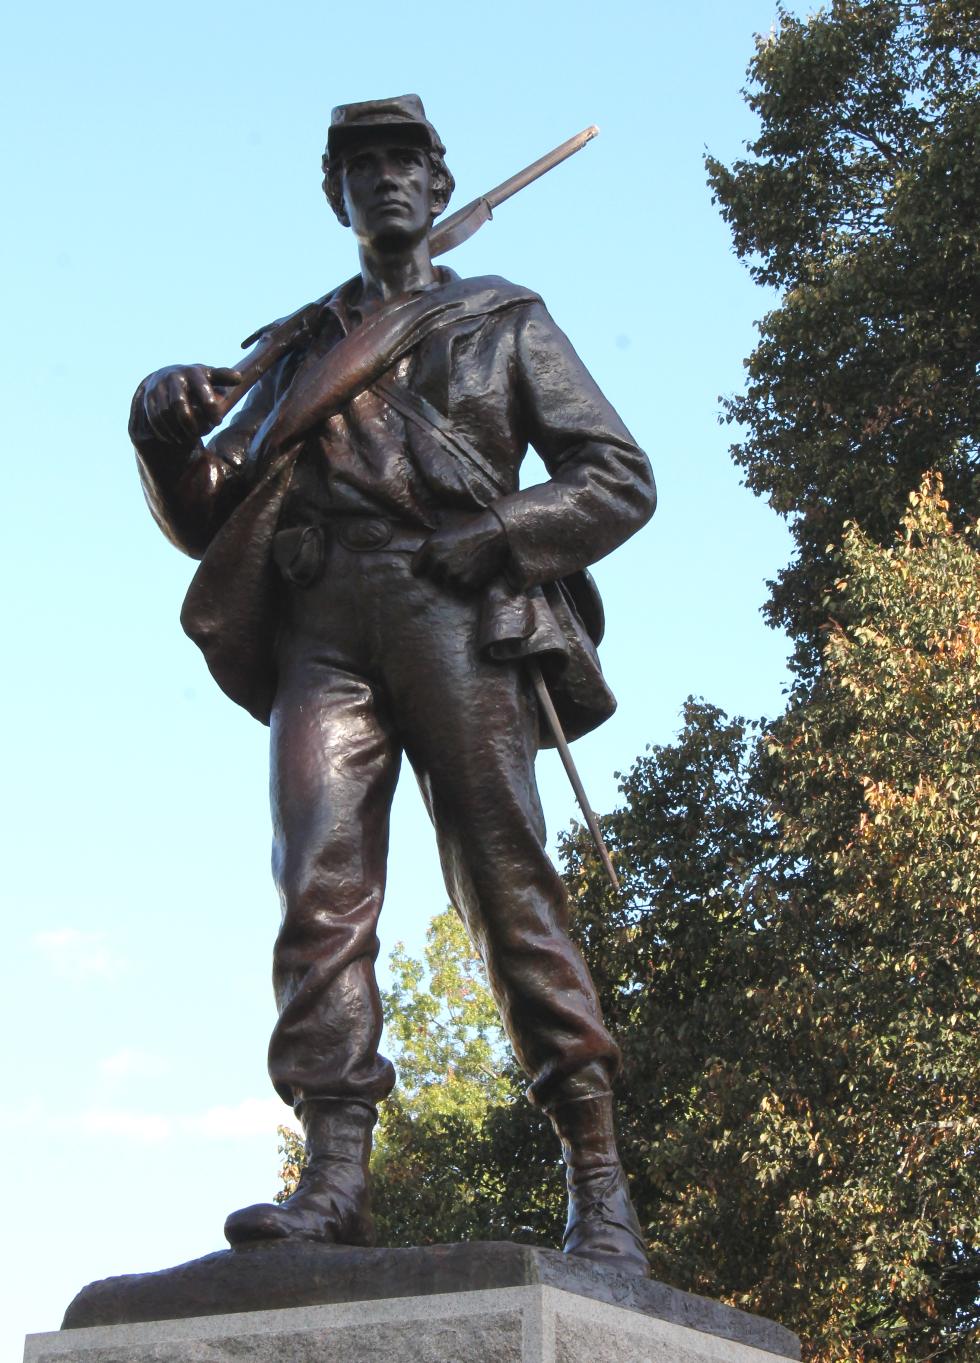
{"x": 491, "y": 833}
{"x": 469, "y": 727}
{"x": 334, "y": 764}
{"x": 514, "y": 905}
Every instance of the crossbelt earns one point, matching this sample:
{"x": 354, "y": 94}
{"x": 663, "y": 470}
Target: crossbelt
{"x": 415, "y": 408}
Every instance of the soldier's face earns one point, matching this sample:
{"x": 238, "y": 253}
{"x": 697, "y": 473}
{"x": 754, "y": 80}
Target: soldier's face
{"x": 388, "y": 194}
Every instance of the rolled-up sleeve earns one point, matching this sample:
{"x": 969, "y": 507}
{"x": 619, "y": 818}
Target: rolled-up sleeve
{"x": 601, "y": 488}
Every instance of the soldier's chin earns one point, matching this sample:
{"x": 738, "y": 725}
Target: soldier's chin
{"x": 394, "y": 237}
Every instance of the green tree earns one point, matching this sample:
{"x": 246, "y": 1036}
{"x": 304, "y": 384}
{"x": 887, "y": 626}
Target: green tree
{"x": 860, "y": 203}
{"x": 879, "y": 785}
{"x": 795, "y": 975}
{"x": 676, "y": 958}
{"x": 445, "y": 1038}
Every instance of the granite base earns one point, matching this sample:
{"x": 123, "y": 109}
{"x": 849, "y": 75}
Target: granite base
{"x": 291, "y": 1274}
{"x": 529, "y": 1324}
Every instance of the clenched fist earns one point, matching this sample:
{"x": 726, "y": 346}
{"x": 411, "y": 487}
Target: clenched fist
{"x": 465, "y": 556}
{"x": 180, "y": 404}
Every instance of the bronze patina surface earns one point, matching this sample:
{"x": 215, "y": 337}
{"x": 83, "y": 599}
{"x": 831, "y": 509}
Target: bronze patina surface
{"x": 374, "y": 584}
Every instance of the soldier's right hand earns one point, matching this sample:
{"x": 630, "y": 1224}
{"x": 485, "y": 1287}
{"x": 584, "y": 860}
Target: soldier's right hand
{"x": 180, "y": 402}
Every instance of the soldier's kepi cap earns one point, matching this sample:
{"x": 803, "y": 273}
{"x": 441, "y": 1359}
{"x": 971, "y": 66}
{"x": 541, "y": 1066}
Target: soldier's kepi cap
{"x": 354, "y": 124}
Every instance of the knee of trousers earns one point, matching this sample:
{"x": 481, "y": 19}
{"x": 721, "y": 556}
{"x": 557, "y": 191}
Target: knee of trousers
{"x": 534, "y": 967}
{"x": 320, "y": 896}
{"x": 512, "y": 910}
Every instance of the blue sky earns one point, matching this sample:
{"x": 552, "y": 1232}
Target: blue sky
{"x": 162, "y": 201}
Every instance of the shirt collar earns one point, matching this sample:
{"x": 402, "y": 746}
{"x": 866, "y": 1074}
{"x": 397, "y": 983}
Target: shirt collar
{"x": 342, "y": 303}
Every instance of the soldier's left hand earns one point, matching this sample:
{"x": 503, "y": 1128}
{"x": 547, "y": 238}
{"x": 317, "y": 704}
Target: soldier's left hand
{"x": 464, "y": 556}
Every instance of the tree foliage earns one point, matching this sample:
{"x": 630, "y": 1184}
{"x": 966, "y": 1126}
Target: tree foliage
{"x": 447, "y": 1043}
{"x": 675, "y": 959}
{"x": 796, "y": 979}
{"x": 859, "y": 203}
{"x": 878, "y": 778}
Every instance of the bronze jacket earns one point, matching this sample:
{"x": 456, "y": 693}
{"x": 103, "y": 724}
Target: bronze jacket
{"x": 495, "y": 364}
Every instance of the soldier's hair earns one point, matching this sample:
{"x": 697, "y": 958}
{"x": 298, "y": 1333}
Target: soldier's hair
{"x": 443, "y": 183}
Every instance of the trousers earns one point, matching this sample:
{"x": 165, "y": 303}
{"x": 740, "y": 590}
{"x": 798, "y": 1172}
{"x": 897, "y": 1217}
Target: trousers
{"x": 374, "y": 663}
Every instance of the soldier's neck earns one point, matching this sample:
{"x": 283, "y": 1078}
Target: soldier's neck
{"x": 391, "y": 274}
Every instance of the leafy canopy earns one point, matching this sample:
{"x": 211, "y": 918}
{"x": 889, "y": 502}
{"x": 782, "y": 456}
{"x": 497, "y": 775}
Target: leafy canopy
{"x": 859, "y": 203}
{"x": 459, "y": 1154}
{"x": 795, "y": 979}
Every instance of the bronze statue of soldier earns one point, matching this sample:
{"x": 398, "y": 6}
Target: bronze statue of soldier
{"x": 374, "y": 583}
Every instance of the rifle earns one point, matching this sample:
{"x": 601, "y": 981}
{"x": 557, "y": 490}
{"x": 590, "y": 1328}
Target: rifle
{"x": 271, "y": 343}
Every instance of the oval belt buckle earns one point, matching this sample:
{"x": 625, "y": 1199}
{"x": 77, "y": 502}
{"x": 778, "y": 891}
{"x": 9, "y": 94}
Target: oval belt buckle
{"x": 367, "y": 532}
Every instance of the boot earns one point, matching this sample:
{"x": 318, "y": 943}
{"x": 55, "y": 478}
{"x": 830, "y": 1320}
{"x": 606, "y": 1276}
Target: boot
{"x": 331, "y": 1201}
{"x": 602, "y": 1224}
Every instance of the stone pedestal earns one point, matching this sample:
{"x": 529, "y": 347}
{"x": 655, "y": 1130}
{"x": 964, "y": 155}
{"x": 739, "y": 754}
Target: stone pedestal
{"x": 532, "y": 1324}
{"x": 477, "y": 1303}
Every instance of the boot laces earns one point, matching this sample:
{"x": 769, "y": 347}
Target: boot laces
{"x": 605, "y": 1200}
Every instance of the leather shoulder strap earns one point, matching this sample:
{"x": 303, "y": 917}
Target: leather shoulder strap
{"x": 326, "y": 380}
{"x": 415, "y": 408}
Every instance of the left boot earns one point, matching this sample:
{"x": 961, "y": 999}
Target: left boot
{"x": 602, "y": 1224}
{"x": 331, "y": 1202}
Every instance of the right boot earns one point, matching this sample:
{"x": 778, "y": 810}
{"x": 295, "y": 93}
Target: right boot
{"x": 602, "y": 1223}
{"x": 331, "y": 1201}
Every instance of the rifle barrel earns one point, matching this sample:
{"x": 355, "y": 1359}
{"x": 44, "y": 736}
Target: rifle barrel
{"x": 461, "y": 225}
{"x": 540, "y": 167}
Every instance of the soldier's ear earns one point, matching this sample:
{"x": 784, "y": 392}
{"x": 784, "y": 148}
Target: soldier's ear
{"x": 443, "y": 185}
{"x": 334, "y": 193}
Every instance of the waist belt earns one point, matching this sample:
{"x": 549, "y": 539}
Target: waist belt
{"x": 364, "y": 533}
{"x": 300, "y": 551}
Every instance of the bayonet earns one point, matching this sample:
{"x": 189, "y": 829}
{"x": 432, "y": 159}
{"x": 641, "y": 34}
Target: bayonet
{"x": 461, "y": 225}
